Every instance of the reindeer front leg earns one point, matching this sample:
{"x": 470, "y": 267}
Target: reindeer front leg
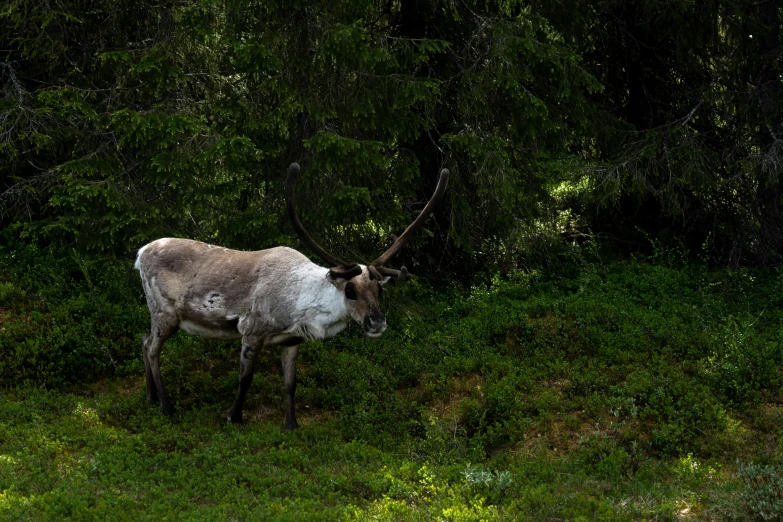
{"x": 246, "y": 364}
{"x": 288, "y": 359}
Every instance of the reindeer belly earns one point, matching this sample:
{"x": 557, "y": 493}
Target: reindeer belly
{"x": 208, "y": 316}
{"x": 210, "y": 330}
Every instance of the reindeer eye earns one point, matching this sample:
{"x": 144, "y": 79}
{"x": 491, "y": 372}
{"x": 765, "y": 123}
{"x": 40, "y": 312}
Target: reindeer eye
{"x": 350, "y": 291}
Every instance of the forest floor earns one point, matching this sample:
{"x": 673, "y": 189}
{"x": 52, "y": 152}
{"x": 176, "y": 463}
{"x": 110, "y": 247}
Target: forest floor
{"x": 632, "y": 390}
{"x": 103, "y": 455}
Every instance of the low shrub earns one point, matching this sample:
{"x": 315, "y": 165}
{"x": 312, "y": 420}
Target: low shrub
{"x": 65, "y": 320}
{"x": 655, "y": 355}
{"x": 763, "y": 495}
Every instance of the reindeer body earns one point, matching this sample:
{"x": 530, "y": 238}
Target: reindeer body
{"x": 275, "y": 294}
{"x": 272, "y": 297}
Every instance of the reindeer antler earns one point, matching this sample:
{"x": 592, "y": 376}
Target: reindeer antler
{"x": 399, "y": 242}
{"x": 340, "y": 269}
{"x": 344, "y": 270}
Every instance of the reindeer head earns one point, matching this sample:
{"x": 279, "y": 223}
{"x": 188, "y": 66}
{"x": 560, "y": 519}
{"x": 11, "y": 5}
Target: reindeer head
{"x": 361, "y": 286}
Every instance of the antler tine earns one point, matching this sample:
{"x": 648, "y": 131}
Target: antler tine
{"x": 339, "y": 267}
{"x": 413, "y": 227}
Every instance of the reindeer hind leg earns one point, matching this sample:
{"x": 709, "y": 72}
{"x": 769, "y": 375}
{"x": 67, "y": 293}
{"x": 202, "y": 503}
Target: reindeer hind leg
{"x": 152, "y": 391}
{"x": 162, "y": 328}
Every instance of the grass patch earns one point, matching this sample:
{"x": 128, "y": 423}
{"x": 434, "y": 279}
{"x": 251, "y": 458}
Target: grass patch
{"x": 620, "y": 391}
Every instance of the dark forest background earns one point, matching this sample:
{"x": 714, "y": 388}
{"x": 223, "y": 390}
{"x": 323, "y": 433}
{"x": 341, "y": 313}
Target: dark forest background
{"x": 595, "y": 329}
{"x": 628, "y": 122}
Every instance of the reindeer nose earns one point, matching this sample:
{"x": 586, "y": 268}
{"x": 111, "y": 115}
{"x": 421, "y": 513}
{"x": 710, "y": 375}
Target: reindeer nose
{"x": 374, "y": 324}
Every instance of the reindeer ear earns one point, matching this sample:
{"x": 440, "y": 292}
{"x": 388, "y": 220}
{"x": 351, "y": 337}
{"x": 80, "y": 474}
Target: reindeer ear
{"x": 345, "y": 271}
{"x": 340, "y": 275}
{"x": 338, "y": 282}
{"x": 375, "y": 275}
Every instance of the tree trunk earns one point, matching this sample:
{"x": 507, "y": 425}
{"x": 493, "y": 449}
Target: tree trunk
{"x": 770, "y": 187}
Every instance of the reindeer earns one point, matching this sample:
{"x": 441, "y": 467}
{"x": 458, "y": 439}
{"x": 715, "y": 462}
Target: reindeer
{"x": 272, "y": 297}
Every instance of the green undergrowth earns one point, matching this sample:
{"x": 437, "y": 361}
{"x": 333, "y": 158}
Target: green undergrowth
{"x": 628, "y": 390}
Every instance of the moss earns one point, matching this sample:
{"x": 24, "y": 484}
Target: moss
{"x": 624, "y": 391}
